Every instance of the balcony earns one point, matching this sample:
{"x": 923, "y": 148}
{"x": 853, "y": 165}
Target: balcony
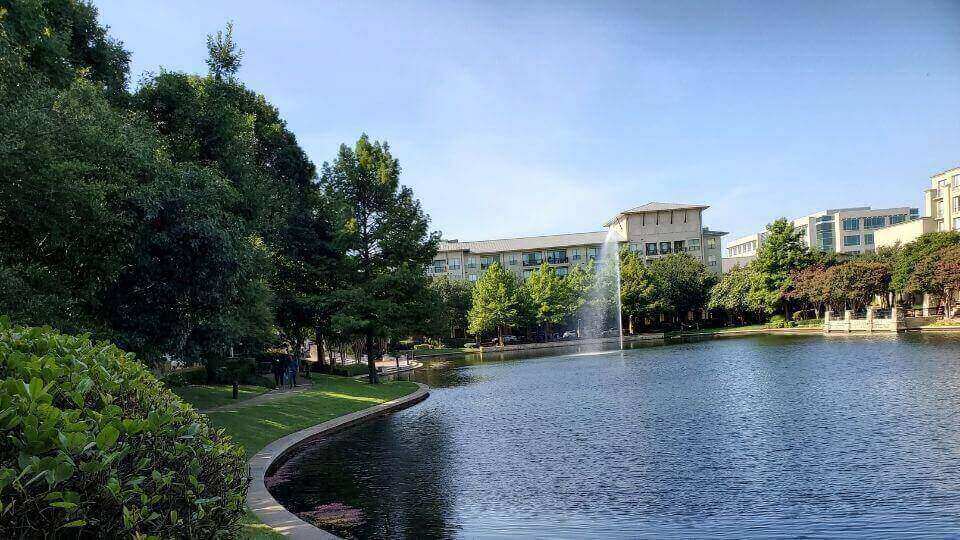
{"x": 557, "y": 260}
{"x": 532, "y": 262}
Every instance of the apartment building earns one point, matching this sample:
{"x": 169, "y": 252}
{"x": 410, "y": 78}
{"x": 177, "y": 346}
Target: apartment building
{"x": 941, "y": 212}
{"x": 654, "y": 230}
{"x": 840, "y": 230}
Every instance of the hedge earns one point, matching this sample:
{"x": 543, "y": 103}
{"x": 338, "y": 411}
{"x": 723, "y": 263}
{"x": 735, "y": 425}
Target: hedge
{"x": 94, "y": 446}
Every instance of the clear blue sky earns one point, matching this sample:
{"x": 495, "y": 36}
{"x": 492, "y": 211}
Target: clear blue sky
{"x": 526, "y": 118}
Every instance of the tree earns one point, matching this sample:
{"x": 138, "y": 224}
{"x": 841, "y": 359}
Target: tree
{"x": 384, "y": 233}
{"x": 732, "y": 293}
{"x": 637, "y": 290}
{"x": 810, "y": 286}
{"x": 938, "y": 273}
{"x": 224, "y": 56}
{"x": 497, "y": 302}
{"x": 854, "y": 284}
{"x": 451, "y": 304}
{"x": 681, "y": 284}
{"x": 782, "y": 252}
{"x": 550, "y": 298}
{"x": 905, "y": 263}
{"x": 579, "y": 282}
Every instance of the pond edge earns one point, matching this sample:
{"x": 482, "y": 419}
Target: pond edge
{"x": 259, "y": 499}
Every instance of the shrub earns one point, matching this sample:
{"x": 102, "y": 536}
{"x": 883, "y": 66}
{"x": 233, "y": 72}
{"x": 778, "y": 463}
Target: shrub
{"x": 350, "y": 370}
{"x": 186, "y": 376}
{"x": 94, "y": 446}
{"x": 779, "y": 321}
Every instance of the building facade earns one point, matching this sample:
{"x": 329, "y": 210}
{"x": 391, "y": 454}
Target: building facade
{"x": 653, "y": 230}
{"x": 941, "y": 211}
{"x": 838, "y": 230}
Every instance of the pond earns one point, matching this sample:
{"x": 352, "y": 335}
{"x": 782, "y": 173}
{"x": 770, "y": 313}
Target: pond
{"x": 757, "y": 437}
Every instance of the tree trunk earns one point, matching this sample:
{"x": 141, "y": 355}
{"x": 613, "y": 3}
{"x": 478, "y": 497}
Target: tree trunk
{"x": 500, "y": 334}
{"x": 371, "y": 358}
{"x": 321, "y": 361}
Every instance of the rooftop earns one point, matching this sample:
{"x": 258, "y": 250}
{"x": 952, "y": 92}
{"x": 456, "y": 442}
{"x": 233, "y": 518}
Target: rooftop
{"x": 527, "y": 242}
{"x": 657, "y": 207}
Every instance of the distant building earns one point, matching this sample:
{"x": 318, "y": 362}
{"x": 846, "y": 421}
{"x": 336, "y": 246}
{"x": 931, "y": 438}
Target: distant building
{"x": 837, "y": 230}
{"x": 653, "y": 230}
{"x": 941, "y": 212}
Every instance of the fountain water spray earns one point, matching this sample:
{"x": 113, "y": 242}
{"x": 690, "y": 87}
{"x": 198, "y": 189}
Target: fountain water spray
{"x": 605, "y": 291}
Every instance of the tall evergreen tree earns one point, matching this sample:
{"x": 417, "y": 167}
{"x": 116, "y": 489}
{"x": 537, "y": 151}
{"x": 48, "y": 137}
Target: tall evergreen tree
{"x": 497, "y": 302}
{"x": 387, "y": 242}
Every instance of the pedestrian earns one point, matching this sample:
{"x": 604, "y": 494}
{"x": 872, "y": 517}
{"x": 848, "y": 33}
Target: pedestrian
{"x": 284, "y": 370}
{"x": 294, "y": 367}
{"x": 277, "y": 368}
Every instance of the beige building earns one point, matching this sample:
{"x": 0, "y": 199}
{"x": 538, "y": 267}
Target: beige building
{"x": 654, "y": 230}
{"x": 838, "y": 230}
{"x": 942, "y": 211}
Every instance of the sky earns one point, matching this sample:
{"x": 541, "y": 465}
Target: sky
{"x": 530, "y": 118}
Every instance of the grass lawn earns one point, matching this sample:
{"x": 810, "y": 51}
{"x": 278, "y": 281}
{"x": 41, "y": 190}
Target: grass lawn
{"x": 207, "y": 396}
{"x": 257, "y": 425}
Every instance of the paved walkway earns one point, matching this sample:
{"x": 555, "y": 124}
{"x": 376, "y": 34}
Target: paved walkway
{"x": 305, "y": 384}
{"x": 262, "y": 503}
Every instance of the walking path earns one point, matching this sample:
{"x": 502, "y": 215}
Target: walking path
{"x": 259, "y": 499}
{"x": 276, "y": 393}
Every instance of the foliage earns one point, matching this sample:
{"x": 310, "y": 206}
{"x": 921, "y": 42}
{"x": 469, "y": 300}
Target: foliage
{"x": 224, "y": 56}
{"x": 95, "y": 446}
{"x": 781, "y": 253}
{"x": 938, "y": 273}
{"x": 905, "y": 264}
{"x": 682, "y": 284}
{"x": 384, "y": 233}
{"x": 854, "y": 283}
{"x": 637, "y": 289}
{"x": 550, "y": 298}
{"x": 732, "y": 293}
{"x": 451, "y": 303}
{"x": 496, "y": 301}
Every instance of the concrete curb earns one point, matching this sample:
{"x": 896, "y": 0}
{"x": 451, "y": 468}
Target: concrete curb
{"x": 259, "y": 499}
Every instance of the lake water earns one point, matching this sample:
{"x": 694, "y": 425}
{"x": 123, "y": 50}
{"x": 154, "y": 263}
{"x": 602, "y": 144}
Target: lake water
{"x": 758, "y": 437}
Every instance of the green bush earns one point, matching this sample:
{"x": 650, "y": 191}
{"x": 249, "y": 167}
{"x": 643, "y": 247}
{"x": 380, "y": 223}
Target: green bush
{"x": 779, "y": 321}
{"x": 94, "y": 446}
{"x": 186, "y": 376}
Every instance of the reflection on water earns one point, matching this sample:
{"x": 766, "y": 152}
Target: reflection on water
{"x": 766, "y": 436}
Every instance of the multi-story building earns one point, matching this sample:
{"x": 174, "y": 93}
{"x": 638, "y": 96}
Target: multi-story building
{"x": 942, "y": 211}
{"x": 653, "y": 230}
{"x": 838, "y": 230}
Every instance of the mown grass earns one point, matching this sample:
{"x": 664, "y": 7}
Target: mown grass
{"x": 257, "y": 425}
{"x": 208, "y": 396}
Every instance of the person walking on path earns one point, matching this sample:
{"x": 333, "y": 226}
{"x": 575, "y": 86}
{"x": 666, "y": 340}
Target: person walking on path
{"x": 278, "y": 371}
{"x": 294, "y": 366}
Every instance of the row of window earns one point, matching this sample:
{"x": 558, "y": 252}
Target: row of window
{"x": 873, "y": 222}
{"x": 854, "y": 239}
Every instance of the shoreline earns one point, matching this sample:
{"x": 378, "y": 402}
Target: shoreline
{"x": 267, "y": 509}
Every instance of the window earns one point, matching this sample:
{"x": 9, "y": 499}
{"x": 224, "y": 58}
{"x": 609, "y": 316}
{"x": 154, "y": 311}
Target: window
{"x": 826, "y": 241}
{"x": 956, "y": 203}
{"x": 576, "y": 254}
{"x": 664, "y": 247}
{"x": 712, "y": 260}
{"x": 853, "y": 240}
{"x": 455, "y": 264}
{"x": 513, "y": 259}
{"x": 851, "y": 224}
{"x": 874, "y": 222}
{"x": 914, "y": 213}
{"x": 557, "y": 256}
{"x": 678, "y": 246}
{"x": 527, "y": 273}
{"x": 956, "y": 180}
{"x": 439, "y": 266}
{"x": 488, "y": 260}
{"x": 939, "y": 209}
{"x": 634, "y": 248}
{"x": 592, "y": 253}
{"x": 956, "y": 224}
{"x": 868, "y": 238}
{"x": 651, "y": 248}
{"x": 854, "y": 252}
{"x": 693, "y": 244}
{"x": 473, "y": 277}
{"x": 712, "y": 242}
{"x": 532, "y": 258}
{"x": 897, "y": 218}
{"x": 562, "y": 271}
{"x": 471, "y": 262}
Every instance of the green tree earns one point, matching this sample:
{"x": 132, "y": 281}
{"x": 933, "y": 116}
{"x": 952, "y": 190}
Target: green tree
{"x": 938, "y": 274}
{"x": 731, "y": 293}
{"x": 579, "y": 282}
{"x": 637, "y": 290}
{"x": 497, "y": 302}
{"x": 681, "y": 284}
{"x": 224, "y": 56}
{"x": 384, "y": 232}
{"x": 906, "y": 259}
{"x": 783, "y": 251}
{"x": 550, "y": 297}
{"x": 451, "y": 304}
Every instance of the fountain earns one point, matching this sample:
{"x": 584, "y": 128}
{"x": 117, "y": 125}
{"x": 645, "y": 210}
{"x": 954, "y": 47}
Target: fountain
{"x": 603, "y": 309}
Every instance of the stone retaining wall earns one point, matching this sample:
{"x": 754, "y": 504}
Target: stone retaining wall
{"x": 572, "y": 343}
